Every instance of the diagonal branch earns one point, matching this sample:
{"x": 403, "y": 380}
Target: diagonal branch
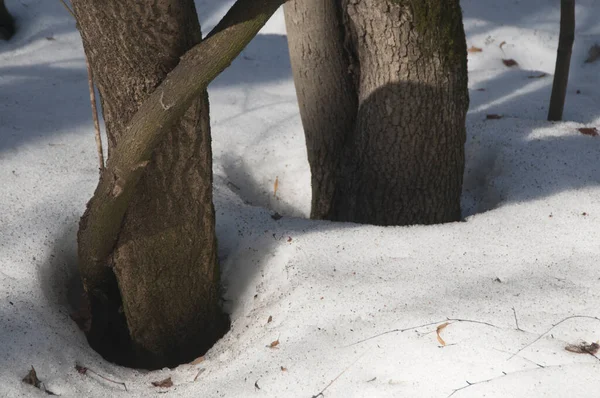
{"x": 100, "y": 224}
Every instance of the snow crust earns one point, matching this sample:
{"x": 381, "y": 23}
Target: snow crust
{"x": 527, "y": 252}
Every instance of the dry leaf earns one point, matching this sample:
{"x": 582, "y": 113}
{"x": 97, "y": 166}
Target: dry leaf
{"x": 474, "y": 49}
{"x": 275, "y": 186}
{"x": 197, "y": 360}
{"x": 270, "y": 319}
{"x": 502, "y": 44}
{"x": 509, "y": 62}
{"x": 32, "y": 378}
{"x": 276, "y": 216}
{"x": 493, "y": 116}
{"x": 166, "y": 383}
{"x": 438, "y": 330}
{"x": 583, "y": 348}
{"x": 594, "y": 54}
{"x": 274, "y": 344}
{"x": 592, "y": 131}
{"x": 289, "y": 239}
{"x": 199, "y": 373}
{"x": 283, "y": 369}
{"x": 537, "y": 76}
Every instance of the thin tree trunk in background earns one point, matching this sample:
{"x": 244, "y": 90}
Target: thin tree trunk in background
{"x": 563, "y": 60}
{"x": 402, "y": 155}
{"x": 325, "y": 90}
{"x": 165, "y": 256}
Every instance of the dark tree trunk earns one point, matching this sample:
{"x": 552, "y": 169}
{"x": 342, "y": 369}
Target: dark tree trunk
{"x": 164, "y": 260}
{"x": 563, "y": 60}
{"x": 7, "y": 24}
{"x": 389, "y": 128}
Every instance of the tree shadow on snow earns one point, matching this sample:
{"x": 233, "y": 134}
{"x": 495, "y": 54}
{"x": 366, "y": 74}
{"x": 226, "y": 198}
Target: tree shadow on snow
{"x": 507, "y": 160}
{"x": 47, "y": 98}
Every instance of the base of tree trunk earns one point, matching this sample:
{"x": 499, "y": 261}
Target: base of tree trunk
{"x": 108, "y": 334}
{"x": 7, "y": 24}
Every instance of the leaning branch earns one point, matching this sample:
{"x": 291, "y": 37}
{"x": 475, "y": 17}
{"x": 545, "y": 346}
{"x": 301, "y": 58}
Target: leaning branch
{"x": 198, "y": 67}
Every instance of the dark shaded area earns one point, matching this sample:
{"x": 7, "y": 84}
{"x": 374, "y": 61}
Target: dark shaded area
{"x": 7, "y": 23}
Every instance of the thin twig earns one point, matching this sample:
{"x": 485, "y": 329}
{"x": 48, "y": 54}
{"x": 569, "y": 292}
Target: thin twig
{"x": 64, "y": 3}
{"x": 92, "y": 101}
{"x": 516, "y": 320}
{"x": 549, "y": 330}
{"x": 321, "y": 393}
{"x": 84, "y": 370}
{"x": 95, "y": 116}
{"x": 522, "y": 357}
{"x": 421, "y": 326}
{"x": 477, "y": 382}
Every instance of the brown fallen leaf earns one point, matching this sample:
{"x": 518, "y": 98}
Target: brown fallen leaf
{"x": 438, "y": 330}
{"x": 289, "y": 239}
{"x": 32, "y": 378}
{"x": 591, "y": 131}
{"x": 537, "y": 76}
{"x": 166, "y": 383}
{"x": 274, "y": 344}
{"x": 583, "y": 348}
{"x": 270, "y": 319}
{"x": 474, "y": 49}
{"x": 197, "y": 360}
{"x": 510, "y": 62}
{"x": 275, "y": 186}
{"x": 502, "y": 44}
{"x": 283, "y": 369}
{"x": 493, "y": 116}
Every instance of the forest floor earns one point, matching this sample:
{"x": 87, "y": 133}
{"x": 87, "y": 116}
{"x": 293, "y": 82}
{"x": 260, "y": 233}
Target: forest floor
{"x": 493, "y": 306}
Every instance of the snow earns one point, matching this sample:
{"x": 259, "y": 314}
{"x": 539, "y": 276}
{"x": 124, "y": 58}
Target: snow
{"x": 527, "y": 252}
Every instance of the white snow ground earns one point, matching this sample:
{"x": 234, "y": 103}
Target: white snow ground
{"x": 530, "y": 240}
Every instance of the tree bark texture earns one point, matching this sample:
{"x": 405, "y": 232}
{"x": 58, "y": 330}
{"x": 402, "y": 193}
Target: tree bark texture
{"x": 387, "y": 127}
{"x": 563, "y": 60}
{"x": 164, "y": 259}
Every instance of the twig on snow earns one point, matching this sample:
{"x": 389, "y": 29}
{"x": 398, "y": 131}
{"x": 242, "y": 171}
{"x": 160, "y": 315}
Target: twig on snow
{"x": 469, "y": 384}
{"x": 516, "y": 320}
{"x": 321, "y": 393}
{"x": 83, "y": 370}
{"x": 550, "y": 329}
{"x": 421, "y": 326}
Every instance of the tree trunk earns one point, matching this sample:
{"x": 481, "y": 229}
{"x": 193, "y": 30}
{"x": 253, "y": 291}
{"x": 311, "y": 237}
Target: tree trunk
{"x": 7, "y": 24}
{"x": 164, "y": 259}
{"x": 399, "y": 92}
{"x": 563, "y": 60}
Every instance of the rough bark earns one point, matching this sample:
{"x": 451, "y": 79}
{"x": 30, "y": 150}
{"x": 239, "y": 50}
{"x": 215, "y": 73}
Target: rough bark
{"x": 325, "y": 90}
{"x": 402, "y": 159}
{"x": 165, "y": 256}
{"x": 7, "y": 23}
{"x": 151, "y": 218}
{"x": 563, "y": 60}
